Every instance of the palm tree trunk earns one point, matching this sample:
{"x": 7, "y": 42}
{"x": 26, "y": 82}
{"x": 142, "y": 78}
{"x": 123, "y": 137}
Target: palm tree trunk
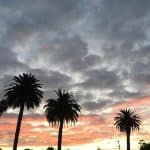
{"x": 18, "y": 127}
{"x": 60, "y": 135}
{"x": 128, "y": 140}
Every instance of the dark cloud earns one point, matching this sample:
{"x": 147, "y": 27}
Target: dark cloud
{"x": 88, "y": 62}
{"x": 58, "y": 52}
{"x": 51, "y": 16}
{"x": 9, "y": 63}
{"x": 97, "y": 105}
{"x": 143, "y": 79}
{"x": 79, "y": 45}
{"x": 4, "y": 82}
{"x": 120, "y": 32}
{"x": 124, "y": 20}
{"x": 85, "y": 96}
{"x": 100, "y": 79}
{"x": 52, "y": 80}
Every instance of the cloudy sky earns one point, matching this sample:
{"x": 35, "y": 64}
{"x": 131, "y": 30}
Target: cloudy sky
{"x": 99, "y": 49}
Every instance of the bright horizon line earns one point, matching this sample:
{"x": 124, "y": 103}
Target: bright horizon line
{"x": 108, "y": 145}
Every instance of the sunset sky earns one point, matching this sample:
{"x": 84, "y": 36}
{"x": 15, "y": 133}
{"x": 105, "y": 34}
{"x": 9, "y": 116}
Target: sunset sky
{"x": 99, "y": 49}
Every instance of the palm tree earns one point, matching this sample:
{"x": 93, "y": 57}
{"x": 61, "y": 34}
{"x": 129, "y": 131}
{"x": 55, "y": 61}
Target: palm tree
{"x": 24, "y": 91}
{"x": 3, "y": 106}
{"x": 61, "y": 110}
{"x": 126, "y": 121}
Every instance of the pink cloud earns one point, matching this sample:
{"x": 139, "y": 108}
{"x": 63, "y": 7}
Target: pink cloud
{"x": 36, "y": 131}
{"x": 133, "y": 103}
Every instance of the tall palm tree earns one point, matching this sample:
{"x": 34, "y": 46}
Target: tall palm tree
{"x": 60, "y": 110}
{"x": 127, "y": 121}
{"x": 23, "y": 91}
{"x": 3, "y": 106}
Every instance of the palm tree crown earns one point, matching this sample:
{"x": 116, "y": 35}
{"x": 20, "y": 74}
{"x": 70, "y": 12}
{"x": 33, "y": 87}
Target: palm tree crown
{"x": 63, "y": 108}
{"x": 127, "y": 120}
{"x": 24, "y": 90}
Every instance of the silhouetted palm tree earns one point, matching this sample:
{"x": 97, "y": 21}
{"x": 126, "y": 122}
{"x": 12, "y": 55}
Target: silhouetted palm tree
{"x": 24, "y": 91}
{"x": 145, "y": 146}
{"x": 126, "y": 121}
{"x": 61, "y": 110}
{"x": 3, "y": 106}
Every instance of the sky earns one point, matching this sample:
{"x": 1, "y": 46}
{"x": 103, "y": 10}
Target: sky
{"x": 99, "y": 49}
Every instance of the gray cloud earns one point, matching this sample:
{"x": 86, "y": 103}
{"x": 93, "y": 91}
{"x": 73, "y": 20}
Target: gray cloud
{"x": 85, "y": 96}
{"x": 124, "y": 20}
{"x": 79, "y": 45}
{"x": 100, "y": 79}
{"x": 9, "y": 63}
{"x": 143, "y": 79}
{"x": 122, "y": 94}
{"x": 46, "y": 16}
{"x": 52, "y": 80}
{"x": 4, "y": 82}
{"x": 86, "y": 63}
{"x": 58, "y": 52}
{"x": 97, "y": 105}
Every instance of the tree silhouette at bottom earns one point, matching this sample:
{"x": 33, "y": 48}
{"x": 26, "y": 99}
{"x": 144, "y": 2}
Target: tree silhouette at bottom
{"x": 145, "y": 146}
{"x": 63, "y": 109}
{"x": 50, "y": 148}
{"x": 127, "y": 121}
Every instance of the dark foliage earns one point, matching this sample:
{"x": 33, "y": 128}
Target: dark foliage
{"x": 63, "y": 109}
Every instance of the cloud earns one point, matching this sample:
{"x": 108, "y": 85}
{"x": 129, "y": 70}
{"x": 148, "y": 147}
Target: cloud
{"x": 38, "y": 37}
{"x": 121, "y": 93}
{"x": 58, "y": 51}
{"x": 133, "y": 103}
{"x": 97, "y": 49}
{"x": 123, "y": 22}
{"x": 49, "y": 133}
{"x": 97, "y": 105}
{"x": 52, "y": 79}
{"x": 141, "y": 74}
{"x": 100, "y": 79}
{"x": 42, "y": 16}
{"x": 9, "y": 63}
{"x": 85, "y": 63}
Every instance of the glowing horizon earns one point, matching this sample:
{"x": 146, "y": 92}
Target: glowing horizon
{"x": 97, "y": 130}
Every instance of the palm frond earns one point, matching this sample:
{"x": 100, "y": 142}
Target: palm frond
{"x": 24, "y": 88}
{"x": 127, "y": 120}
{"x": 64, "y": 107}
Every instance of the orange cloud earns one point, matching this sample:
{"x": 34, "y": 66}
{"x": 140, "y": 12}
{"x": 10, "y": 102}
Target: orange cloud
{"x": 35, "y": 130}
{"x": 133, "y": 103}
